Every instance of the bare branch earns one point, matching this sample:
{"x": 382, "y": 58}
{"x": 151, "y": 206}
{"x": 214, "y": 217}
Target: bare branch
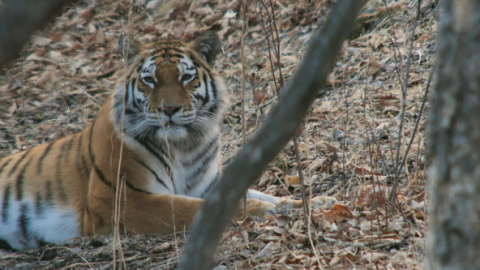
{"x": 284, "y": 119}
{"x": 19, "y": 19}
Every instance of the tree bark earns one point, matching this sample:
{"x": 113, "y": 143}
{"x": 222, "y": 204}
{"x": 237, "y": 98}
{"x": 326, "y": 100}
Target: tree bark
{"x": 272, "y": 136}
{"x": 454, "y": 131}
{"x": 19, "y": 19}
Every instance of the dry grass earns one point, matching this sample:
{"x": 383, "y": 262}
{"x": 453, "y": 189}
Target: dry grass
{"x": 347, "y": 147}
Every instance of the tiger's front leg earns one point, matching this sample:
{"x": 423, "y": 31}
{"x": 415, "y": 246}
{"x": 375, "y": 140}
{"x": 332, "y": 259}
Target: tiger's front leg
{"x": 139, "y": 212}
{"x": 283, "y": 203}
{"x": 142, "y": 212}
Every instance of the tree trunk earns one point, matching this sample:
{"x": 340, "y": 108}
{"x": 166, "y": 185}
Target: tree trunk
{"x": 454, "y": 222}
{"x": 19, "y": 19}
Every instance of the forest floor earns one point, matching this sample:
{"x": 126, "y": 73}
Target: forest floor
{"x": 351, "y": 145}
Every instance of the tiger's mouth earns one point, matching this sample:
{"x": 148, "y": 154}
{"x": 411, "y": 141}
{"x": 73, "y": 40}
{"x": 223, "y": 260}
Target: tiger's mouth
{"x": 170, "y": 124}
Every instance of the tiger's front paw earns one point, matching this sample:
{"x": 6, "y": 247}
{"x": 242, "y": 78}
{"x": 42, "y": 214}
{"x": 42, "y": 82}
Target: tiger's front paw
{"x": 260, "y": 209}
{"x": 256, "y": 208}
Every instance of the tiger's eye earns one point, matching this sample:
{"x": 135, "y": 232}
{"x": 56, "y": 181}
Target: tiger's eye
{"x": 186, "y": 77}
{"x": 149, "y": 79}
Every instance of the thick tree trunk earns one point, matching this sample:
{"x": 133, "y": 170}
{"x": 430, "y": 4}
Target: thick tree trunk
{"x": 19, "y": 19}
{"x": 454, "y": 223}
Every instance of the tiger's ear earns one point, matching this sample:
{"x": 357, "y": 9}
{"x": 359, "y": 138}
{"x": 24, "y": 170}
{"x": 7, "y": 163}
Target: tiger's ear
{"x": 208, "y": 45}
{"x": 129, "y": 48}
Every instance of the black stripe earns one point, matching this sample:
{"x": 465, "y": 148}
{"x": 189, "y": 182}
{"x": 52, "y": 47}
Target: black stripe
{"x": 90, "y": 143}
{"x": 4, "y": 165}
{"x": 212, "y": 85}
{"x": 79, "y": 155}
{"x": 104, "y": 180}
{"x": 207, "y": 68}
{"x": 68, "y": 145}
{"x": 150, "y": 169}
{"x": 136, "y": 189}
{"x": 213, "y": 109}
{"x": 102, "y": 176}
{"x": 211, "y": 186}
{"x": 49, "y": 193}
{"x": 146, "y": 144}
{"x": 207, "y": 95}
{"x": 127, "y": 93}
{"x": 38, "y": 203}
{"x": 45, "y": 153}
{"x": 129, "y": 111}
{"x": 12, "y": 170}
{"x": 58, "y": 174}
{"x": 7, "y": 193}
{"x": 157, "y": 56}
{"x": 20, "y": 179}
{"x": 195, "y": 178}
{"x": 85, "y": 168}
{"x": 172, "y": 50}
{"x": 202, "y": 152}
{"x": 100, "y": 173}
{"x": 177, "y": 55}
{"x": 160, "y": 148}
{"x": 81, "y": 161}
{"x": 92, "y": 159}
{"x": 196, "y": 64}
{"x": 23, "y": 221}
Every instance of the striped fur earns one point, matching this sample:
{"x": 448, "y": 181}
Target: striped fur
{"x": 155, "y": 142}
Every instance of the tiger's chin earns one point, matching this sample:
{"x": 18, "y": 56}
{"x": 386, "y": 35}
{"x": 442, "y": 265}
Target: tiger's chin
{"x": 172, "y": 132}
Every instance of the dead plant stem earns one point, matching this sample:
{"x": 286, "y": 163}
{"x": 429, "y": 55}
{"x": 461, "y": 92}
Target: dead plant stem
{"x": 398, "y": 163}
{"x": 370, "y": 140}
{"x": 269, "y": 45}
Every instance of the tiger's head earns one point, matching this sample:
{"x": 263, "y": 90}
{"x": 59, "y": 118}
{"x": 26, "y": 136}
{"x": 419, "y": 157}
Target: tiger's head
{"x": 170, "y": 90}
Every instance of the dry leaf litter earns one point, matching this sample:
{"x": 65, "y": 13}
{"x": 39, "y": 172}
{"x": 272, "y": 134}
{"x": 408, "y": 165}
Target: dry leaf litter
{"x": 347, "y": 145}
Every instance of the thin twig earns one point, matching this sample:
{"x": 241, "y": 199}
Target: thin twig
{"x": 417, "y": 123}
{"x": 402, "y": 111}
{"x": 269, "y": 45}
{"x": 370, "y": 141}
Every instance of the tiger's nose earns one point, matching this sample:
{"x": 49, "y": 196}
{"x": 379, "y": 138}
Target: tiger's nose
{"x": 170, "y": 110}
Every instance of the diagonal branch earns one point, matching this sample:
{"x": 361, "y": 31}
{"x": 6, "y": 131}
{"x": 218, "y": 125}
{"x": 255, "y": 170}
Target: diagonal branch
{"x": 271, "y": 138}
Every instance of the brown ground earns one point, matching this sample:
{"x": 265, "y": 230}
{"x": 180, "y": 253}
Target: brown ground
{"x": 349, "y": 140}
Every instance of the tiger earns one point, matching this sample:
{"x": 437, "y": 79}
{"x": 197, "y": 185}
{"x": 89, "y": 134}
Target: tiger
{"x": 155, "y": 141}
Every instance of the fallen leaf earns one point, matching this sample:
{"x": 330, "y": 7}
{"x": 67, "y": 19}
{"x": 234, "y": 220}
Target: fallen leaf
{"x": 268, "y": 249}
{"x": 203, "y": 11}
{"x": 373, "y": 257}
{"x": 374, "y": 67}
{"x": 291, "y": 180}
{"x": 337, "y": 214}
{"x": 41, "y": 41}
{"x": 373, "y": 195}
